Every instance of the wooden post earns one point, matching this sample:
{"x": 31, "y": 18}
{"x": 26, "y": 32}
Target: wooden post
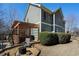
{"x": 29, "y": 31}
{"x": 38, "y": 33}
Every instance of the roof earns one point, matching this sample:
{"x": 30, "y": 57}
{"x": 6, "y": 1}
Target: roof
{"x": 46, "y": 9}
{"x": 23, "y": 25}
{"x": 58, "y": 10}
{"x": 42, "y": 7}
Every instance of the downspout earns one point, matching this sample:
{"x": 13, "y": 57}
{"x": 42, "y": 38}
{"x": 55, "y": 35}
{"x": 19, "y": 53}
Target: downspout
{"x": 40, "y": 20}
{"x": 54, "y": 22}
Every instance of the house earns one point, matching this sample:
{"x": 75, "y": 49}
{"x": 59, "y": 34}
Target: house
{"x": 45, "y": 18}
{"x": 38, "y": 19}
{"x": 22, "y": 30}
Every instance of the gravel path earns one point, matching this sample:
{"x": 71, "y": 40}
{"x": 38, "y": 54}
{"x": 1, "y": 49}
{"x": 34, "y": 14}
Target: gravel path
{"x": 69, "y": 49}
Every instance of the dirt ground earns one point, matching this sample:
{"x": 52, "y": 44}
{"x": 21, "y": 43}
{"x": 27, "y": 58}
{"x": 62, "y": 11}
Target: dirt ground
{"x": 69, "y": 49}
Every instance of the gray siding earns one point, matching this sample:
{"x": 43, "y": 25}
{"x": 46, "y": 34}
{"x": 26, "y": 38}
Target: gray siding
{"x": 33, "y": 14}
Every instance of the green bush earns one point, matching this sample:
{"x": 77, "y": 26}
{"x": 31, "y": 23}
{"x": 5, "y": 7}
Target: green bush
{"x": 47, "y": 38}
{"x": 64, "y": 38}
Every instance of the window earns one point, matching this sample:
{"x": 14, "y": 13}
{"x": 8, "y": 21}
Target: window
{"x": 43, "y": 15}
{"x": 45, "y": 27}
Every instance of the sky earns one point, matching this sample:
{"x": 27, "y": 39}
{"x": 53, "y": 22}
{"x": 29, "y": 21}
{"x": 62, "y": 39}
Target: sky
{"x": 67, "y": 9}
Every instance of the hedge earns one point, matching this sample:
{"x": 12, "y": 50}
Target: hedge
{"x": 47, "y": 38}
{"x": 64, "y": 38}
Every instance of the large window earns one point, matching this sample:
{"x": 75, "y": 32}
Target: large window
{"x": 45, "y": 27}
{"x": 46, "y": 17}
{"x": 59, "y": 29}
{"x": 43, "y": 15}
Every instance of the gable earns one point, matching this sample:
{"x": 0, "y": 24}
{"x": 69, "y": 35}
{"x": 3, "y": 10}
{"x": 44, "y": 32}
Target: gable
{"x": 59, "y": 11}
{"x": 33, "y": 14}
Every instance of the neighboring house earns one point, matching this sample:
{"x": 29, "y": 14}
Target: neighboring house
{"x": 45, "y": 18}
{"x": 22, "y": 30}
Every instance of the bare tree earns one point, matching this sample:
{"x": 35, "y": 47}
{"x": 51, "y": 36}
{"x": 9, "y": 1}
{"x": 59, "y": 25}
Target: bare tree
{"x": 6, "y": 19}
{"x": 12, "y": 16}
{"x": 1, "y": 27}
{"x": 1, "y": 21}
{"x": 70, "y": 23}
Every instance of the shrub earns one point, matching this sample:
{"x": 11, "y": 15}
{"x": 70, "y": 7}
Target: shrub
{"x": 47, "y": 38}
{"x": 64, "y": 38}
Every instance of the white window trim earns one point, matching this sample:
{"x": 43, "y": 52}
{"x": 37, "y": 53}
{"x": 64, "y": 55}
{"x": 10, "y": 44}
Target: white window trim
{"x": 46, "y": 24}
{"x": 59, "y": 26}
